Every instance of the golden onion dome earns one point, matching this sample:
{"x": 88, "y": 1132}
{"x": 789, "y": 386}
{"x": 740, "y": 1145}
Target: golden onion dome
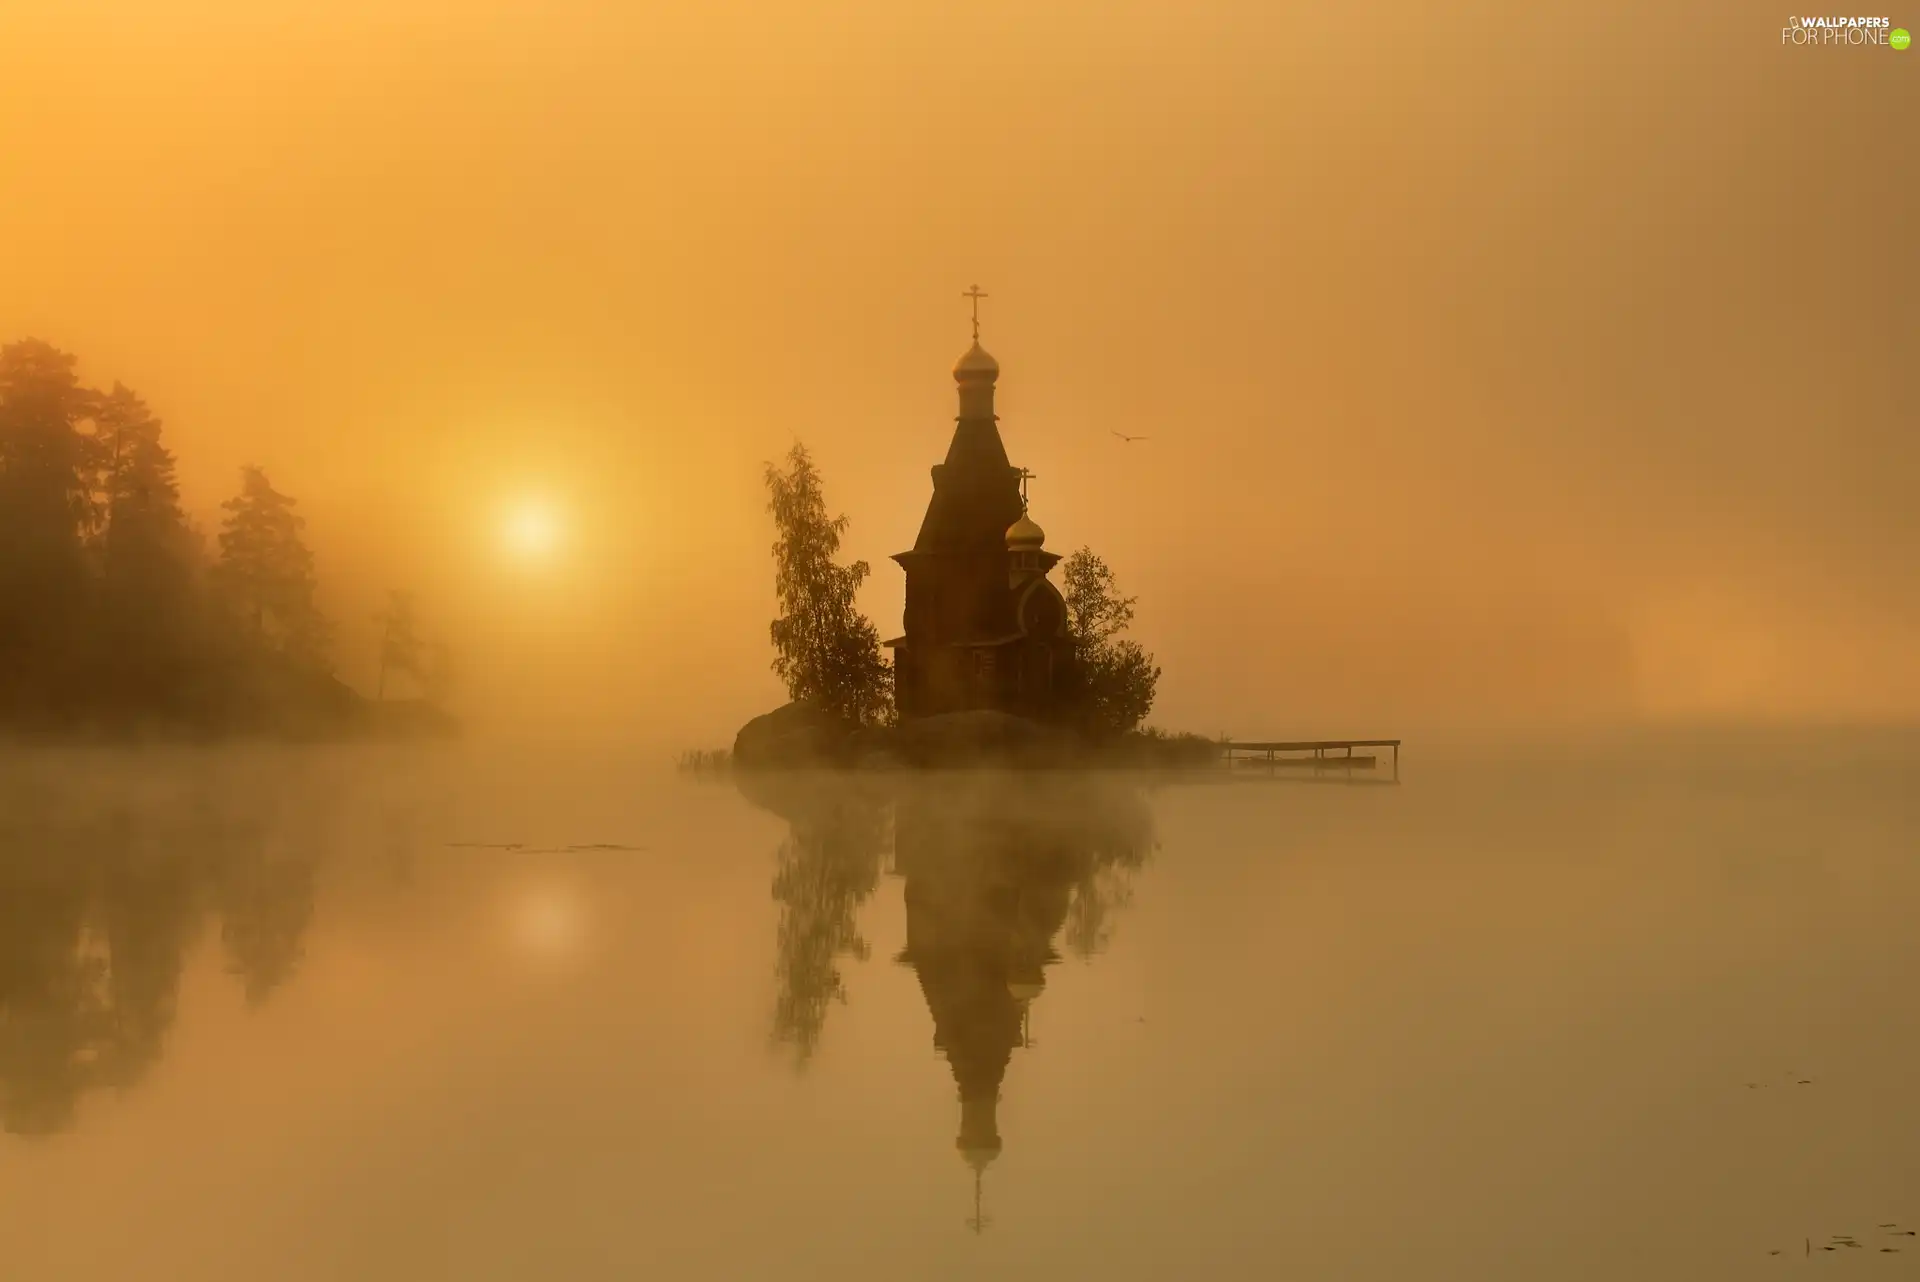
{"x": 1025, "y": 533}
{"x": 976, "y": 364}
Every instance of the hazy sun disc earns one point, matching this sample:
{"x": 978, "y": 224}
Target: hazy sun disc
{"x": 532, "y": 532}
{"x": 549, "y": 921}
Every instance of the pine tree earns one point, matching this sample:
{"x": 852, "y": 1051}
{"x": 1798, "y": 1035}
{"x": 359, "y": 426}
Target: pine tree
{"x": 148, "y": 608}
{"x": 146, "y": 547}
{"x": 138, "y": 494}
{"x": 44, "y": 509}
{"x": 401, "y": 649}
{"x": 266, "y": 571}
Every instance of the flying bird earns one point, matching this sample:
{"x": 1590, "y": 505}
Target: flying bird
{"x": 1130, "y": 439}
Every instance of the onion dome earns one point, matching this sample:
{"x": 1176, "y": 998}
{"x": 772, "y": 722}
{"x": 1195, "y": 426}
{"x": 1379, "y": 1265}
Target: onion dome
{"x": 978, "y": 1154}
{"x": 976, "y": 365}
{"x": 1025, "y": 533}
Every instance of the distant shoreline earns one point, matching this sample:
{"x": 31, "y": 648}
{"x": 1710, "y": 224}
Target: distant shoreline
{"x": 365, "y": 722}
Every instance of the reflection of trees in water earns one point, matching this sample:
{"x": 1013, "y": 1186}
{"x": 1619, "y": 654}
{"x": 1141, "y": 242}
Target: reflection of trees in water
{"x": 148, "y": 914}
{"x": 828, "y": 865}
{"x": 1008, "y": 863}
{"x": 266, "y": 904}
{"x": 1119, "y": 838}
{"x": 97, "y": 914}
{"x": 52, "y": 1009}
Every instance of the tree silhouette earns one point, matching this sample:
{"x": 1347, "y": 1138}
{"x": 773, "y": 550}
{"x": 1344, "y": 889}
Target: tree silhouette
{"x": 401, "y": 649}
{"x": 1116, "y": 679}
{"x": 266, "y": 570}
{"x": 111, "y": 617}
{"x": 149, "y": 611}
{"x": 44, "y": 507}
{"x": 825, "y": 650}
{"x": 138, "y": 495}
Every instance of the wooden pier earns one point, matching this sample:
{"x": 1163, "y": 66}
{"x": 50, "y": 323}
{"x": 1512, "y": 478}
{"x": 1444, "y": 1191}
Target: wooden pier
{"x": 1309, "y": 754}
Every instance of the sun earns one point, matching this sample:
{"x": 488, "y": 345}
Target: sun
{"x": 531, "y": 531}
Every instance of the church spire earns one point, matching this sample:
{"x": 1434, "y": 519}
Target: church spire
{"x": 977, "y": 1221}
{"x": 979, "y": 1144}
{"x": 976, "y": 370}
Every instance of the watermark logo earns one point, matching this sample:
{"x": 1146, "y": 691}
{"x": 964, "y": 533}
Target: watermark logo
{"x": 1844, "y": 31}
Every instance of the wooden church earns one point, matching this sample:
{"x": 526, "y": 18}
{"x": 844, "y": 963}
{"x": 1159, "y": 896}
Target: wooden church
{"x": 984, "y": 627}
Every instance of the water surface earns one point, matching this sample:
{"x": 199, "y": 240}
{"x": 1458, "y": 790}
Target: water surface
{"x": 1639, "y": 1007}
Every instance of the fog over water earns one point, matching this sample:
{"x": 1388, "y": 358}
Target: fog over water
{"x": 1623, "y": 1005}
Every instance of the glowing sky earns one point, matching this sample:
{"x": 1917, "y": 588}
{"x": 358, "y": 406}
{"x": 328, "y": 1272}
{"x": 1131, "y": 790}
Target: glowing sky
{"x": 1510, "y": 361}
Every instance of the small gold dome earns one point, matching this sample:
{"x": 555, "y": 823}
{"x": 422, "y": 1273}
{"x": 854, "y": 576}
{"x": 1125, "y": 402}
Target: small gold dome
{"x": 976, "y": 364}
{"x": 1025, "y": 533}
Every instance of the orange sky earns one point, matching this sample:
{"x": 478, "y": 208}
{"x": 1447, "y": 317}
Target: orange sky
{"x": 1511, "y": 363}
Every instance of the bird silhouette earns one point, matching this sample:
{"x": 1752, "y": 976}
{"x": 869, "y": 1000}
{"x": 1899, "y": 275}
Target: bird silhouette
{"x": 1130, "y": 439}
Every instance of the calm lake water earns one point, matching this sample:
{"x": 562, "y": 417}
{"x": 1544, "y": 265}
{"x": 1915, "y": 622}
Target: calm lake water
{"x": 1637, "y": 1008}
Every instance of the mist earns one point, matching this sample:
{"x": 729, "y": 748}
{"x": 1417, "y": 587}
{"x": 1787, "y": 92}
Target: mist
{"x": 1501, "y": 366}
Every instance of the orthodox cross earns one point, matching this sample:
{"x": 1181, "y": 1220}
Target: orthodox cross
{"x": 977, "y": 1222}
{"x": 973, "y": 292}
{"x": 1024, "y": 476}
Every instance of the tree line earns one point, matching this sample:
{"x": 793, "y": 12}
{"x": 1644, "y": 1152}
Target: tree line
{"x": 115, "y": 611}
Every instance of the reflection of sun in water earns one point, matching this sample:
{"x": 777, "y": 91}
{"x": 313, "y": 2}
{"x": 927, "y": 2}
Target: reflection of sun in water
{"x": 548, "y": 921}
{"x": 532, "y": 531}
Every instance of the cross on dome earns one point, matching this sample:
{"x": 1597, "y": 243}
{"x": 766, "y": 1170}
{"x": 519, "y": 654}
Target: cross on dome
{"x": 974, "y": 293}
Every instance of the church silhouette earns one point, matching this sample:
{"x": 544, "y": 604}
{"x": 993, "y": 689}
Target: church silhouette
{"x": 994, "y": 872}
{"x": 984, "y": 628}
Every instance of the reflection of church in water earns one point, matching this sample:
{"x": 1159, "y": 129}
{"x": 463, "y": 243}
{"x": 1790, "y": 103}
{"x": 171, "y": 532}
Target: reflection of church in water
{"x": 989, "y": 888}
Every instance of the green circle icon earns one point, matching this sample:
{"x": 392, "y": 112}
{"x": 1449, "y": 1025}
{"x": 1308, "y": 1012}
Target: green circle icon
{"x": 1899, "y": 38}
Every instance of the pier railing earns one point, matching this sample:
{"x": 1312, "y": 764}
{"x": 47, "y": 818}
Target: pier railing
{"x": 1307, "y": 754}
